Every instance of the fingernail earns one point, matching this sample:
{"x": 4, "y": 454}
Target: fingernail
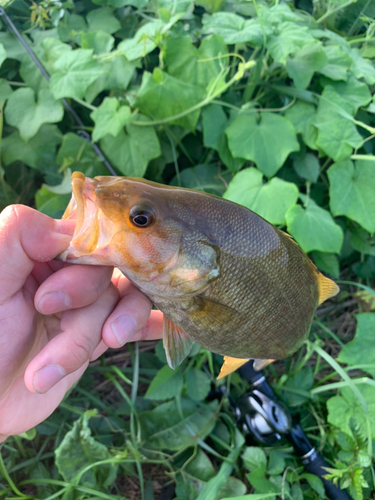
{"x": 124, "y": 327}
{"x": 54, "y": 302}
{"x": 47, "y": 377}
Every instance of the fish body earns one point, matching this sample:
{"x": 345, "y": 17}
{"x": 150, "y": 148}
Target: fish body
{"x": 223, "y": 276}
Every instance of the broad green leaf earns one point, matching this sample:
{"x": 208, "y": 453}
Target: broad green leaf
{"x": 361, "y": 241}
{"x": 313, "y": 228}
{"x": 79, "y": 449}
{"x": 5, "y": 90}
{"x": 7, "y": 194}
{"x": 13, "y": 48}
{"x": 276, "y": 463}
{"x": 315, "y": 483}
{"x": 100, "y": 41}
{"x": 109, "y": 118}
{"x": 287, "y": 38}
{"x": 79, "y": 154}
{"x": 175, "y": 6}
{"x": 195, "y": 66}
{"x": 301, "y": 381}
{"x": 356, "y": 93}
{"x": 103, "y": 19}
{"x": 139, "y": 4}
{"x": 34, "y": 152}
{"x": 162, "y": 96}
{"x": 130, "y": 152}
{"x": 254, "y": 458}
{"x": 70, "y": 26}
{"x": 51, "y": 204}
{"x": 207, "y": 178}
{"x": 327, "y": 262}
{"x": 271, "y": 200}
{"x": 201, "y": 466}
{"x": 75, "y": 72}
{"x": 337, "y": 134}
{"x": 27, "y": 115}
{"x": 274, "y": 16}
{"x": 211, "y": 6}
{"x": 267, "y": 139}
{"x": 361, "y": 67}
{"x": 163, "y": 427}
{"x": 352, "y": 188}
{"x": 214, "y": 122}
{"x": 3, "y": 54}
{"x": 305, "y": 63}
{"x": 344, "y": 410}
{"x": 144, "y": 41}
{"x": 233, "y": 28}
{"x": 307, "y": 166}
{"x": 117, "y": 73}
{"x": 302, "y": 115}
{"x": 166, "y": 384}
{"x": 197, "y": 384}
{"x": 338, "y": 63}
{"x": 357, "y": 351}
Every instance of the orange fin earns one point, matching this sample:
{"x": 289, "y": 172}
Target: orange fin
{"x": 259, "y": 364}
{"x": 176, "y": 343}
{"x": 230, "y": 365}
{"x": 327, "y": 288}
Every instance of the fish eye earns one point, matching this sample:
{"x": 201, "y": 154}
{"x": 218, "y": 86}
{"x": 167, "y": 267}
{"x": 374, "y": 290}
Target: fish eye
{"x": 142, "y": 216}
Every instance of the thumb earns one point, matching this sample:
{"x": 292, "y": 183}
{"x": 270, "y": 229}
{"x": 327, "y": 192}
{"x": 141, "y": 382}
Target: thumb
{"x": 27, "y": 236}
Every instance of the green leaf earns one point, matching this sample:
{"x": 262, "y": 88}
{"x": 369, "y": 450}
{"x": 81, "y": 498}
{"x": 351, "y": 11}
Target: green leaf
{"x": 357, "y": 351}
{"x": 166, "y": 384}
{"x": 356, "y": 93}
{"x": 271, "y": 200}
{"x": 313, "y": 228}
{"x": 307, "y": 166}
{"x": 337, "y": 134}
{"x": 109, "y": 118}
{"x": 5, "y": 90}
{"x": 79, "y": 449}
{"x": 305, "y": 62}
{"x": 344, "y": 410}
{"x": 13, "y": 48}
{"x": 100, "y": 41}
{"x": 254, "y": 458}
{"x": 303, "y": 115}
{"x": 144, "y": 41}
{"x": 163, "y": 427}
{"x": 233, "y": 28}
{"x": 200, "y": 467}
{"x": 103, "y": 19}
{"x": 211, "y": 6}
{"x": 130, "y": 152}
{"x": 315, "y": 483}
{"x": 36, "y": 151}
{"x": 361, "y": 67}
{"x": 327, "y": 262}
{"x": 361, "y": 241}
{"x": 162, "y": 96}
{"x": 338, "y": 63}
{"x": 3, "y": 54}
{"x": 352, "y": 187}
{"x": 116, "y": 74}
{"x": 197, "y": 384}
{"x": 28, "y": 116}
{"x": 175, "y": 7}
{"x": 207, "y": 178}
{"x": 51, "y": 204}
{"x": 287, "y": 38}
{"x": 197, "y": 66}
{"x": 75, "y": 71}
{"x": 276, "y": 463}
{"x": 266, "y": 139}
{"x": 79, "y": 154}
{"x": 300, "y": 385}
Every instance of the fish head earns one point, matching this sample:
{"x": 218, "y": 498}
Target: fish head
{"x": 122, "y": 222}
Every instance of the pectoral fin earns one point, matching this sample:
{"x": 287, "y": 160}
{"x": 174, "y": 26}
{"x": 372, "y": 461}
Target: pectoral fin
{"x": 327, "y": 288}
{"x": 176, "y": 343}
{"x": 231, "y": 365}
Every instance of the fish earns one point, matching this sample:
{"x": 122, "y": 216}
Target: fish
{"x": 223, "y": 276}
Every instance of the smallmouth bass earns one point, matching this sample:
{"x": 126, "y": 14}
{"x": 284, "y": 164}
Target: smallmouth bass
{"x": 223, "y": 276}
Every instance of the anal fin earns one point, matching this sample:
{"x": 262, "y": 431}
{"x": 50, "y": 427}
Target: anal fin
{"x": 176, "y": 343}
{"x": 231, "y": 365}
{"x": 259, "y": 364}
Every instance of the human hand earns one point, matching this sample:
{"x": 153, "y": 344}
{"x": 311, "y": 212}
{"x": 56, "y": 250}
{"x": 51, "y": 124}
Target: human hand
{"x": 55, "y": 317}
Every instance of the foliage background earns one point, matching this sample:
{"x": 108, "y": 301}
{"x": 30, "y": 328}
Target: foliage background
{"x": 268, "y": 103}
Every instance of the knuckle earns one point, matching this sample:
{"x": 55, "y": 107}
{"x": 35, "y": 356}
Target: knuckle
{"x": 81, "y": 353}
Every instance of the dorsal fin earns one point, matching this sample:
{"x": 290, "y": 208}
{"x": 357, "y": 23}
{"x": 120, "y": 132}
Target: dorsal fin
{"x": 327, "y": 288}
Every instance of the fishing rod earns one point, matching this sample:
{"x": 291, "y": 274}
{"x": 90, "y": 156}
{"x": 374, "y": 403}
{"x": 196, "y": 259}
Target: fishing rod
{"x": 263, "y": 415}
{"x": 82, "y": 132}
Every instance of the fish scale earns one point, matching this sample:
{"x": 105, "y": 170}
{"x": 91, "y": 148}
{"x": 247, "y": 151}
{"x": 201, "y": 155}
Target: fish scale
{"x": 223, "y": 276}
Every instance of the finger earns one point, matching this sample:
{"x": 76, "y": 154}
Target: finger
{"x": 72, "y": 287}
{"x": 153, "y": 329}
{"x": 27, "y": 236}
{"x": 71, "y": 349}
{"x": 130, "y": 315}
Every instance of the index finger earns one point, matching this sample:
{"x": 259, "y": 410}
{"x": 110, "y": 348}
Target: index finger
{"x": 27, "y": 236}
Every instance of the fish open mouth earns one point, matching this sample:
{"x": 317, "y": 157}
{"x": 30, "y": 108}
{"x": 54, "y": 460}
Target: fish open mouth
{"x": 83, "y": 207}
